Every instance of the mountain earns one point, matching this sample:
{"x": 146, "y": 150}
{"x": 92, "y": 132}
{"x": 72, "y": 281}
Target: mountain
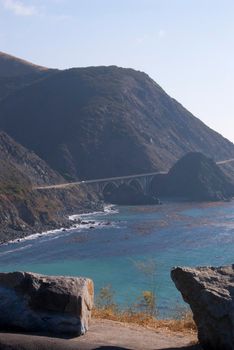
{"x": 105, "y": 121}
{"x": 16, "y": 73}
{"x": 194, "y": 177}
{"x": 11, "y": 66}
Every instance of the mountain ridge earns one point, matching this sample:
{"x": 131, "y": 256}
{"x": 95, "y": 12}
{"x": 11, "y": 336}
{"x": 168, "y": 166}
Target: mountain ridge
{"x": 89, "y": 117}
{"x": 14, "y": 66}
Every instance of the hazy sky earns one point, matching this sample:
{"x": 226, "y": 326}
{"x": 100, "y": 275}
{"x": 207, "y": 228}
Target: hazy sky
{"x": 187, "y": 46}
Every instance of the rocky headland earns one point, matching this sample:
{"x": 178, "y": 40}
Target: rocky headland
{"x": 194, "y": 177}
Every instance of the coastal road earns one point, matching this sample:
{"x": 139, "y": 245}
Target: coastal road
{"x": 70, "y": 184}
{"x": 225, "y": 161}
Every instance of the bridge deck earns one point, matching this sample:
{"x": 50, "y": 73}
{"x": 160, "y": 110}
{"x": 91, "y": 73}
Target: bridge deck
{"x": 108, "y": 179}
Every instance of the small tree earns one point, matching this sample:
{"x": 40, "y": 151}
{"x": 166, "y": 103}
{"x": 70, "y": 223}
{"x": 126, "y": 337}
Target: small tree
{"x": 147, "y": 303}
{"x": 105, "y": 299}
{"x": 147, "y": 300}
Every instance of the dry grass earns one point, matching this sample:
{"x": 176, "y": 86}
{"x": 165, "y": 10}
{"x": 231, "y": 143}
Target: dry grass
{"x": 184, "y": 323}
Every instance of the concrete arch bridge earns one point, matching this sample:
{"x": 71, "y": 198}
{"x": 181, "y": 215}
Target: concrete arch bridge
{"x": 141, "y": 182}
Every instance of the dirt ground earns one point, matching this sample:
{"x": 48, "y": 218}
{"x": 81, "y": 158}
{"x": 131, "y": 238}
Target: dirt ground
{"x": 103, "y": 335}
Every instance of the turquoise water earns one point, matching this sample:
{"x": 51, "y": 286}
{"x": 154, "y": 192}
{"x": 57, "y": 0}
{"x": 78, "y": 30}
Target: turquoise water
{"x": 171, "y": 234}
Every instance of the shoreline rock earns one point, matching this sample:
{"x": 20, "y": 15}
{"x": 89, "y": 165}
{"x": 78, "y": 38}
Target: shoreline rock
{"x": 9, "y": 234}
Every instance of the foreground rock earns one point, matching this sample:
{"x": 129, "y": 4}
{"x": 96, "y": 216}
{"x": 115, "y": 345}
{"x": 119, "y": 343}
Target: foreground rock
{"x": 210, "y": 294}
{"x": 38, "y": 303}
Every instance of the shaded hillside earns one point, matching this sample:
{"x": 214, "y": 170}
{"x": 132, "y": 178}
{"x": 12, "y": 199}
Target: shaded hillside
{"x": 27, "y": 162}
{"x": 23, "y": 210}
{"x": 194, "y": 177}
{"x": 106, "y": 121}
{"x": 9, "y": 85}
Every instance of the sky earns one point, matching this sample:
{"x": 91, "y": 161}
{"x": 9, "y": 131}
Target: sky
{"x": 186, "y": 46}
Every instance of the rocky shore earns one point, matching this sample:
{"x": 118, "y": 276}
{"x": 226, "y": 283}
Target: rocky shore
{"x": 16, "y": 228}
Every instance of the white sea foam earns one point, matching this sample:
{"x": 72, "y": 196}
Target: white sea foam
{"x": 33, "y": 236}
{"x": 54, "y": 234}
{"x": 15, "y": 249}
{"x": 108, "y": 209}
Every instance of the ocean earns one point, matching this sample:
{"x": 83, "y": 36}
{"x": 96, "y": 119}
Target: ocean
{"x": 109, "y": 247}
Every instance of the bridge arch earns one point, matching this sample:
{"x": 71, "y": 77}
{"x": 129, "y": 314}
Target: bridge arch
{"x": 136, "y": 184}
{"x": 109, "y": 188}
{"x": 154, "y": 184}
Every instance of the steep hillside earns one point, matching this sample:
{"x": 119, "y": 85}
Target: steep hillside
{"x": 8, "y": 85}
{"x": 23, "y": 210}
{"x": 194, "y": 177}
{"x": 106, "y": 121}
{"x": 27, "y": 162}
{"x": 16, "y": 74}
{"x": 11, "y": 66}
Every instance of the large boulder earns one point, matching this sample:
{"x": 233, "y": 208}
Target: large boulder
{"x": 210, "y": 293}
{"x": 39, "y": 303}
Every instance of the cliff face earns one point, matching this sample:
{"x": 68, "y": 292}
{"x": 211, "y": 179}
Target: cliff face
{"x": 24, "y": 210}
{"x": 194, "y": 177}
{"x": 27, "y": 162}
{"x": 105, "y": 121}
